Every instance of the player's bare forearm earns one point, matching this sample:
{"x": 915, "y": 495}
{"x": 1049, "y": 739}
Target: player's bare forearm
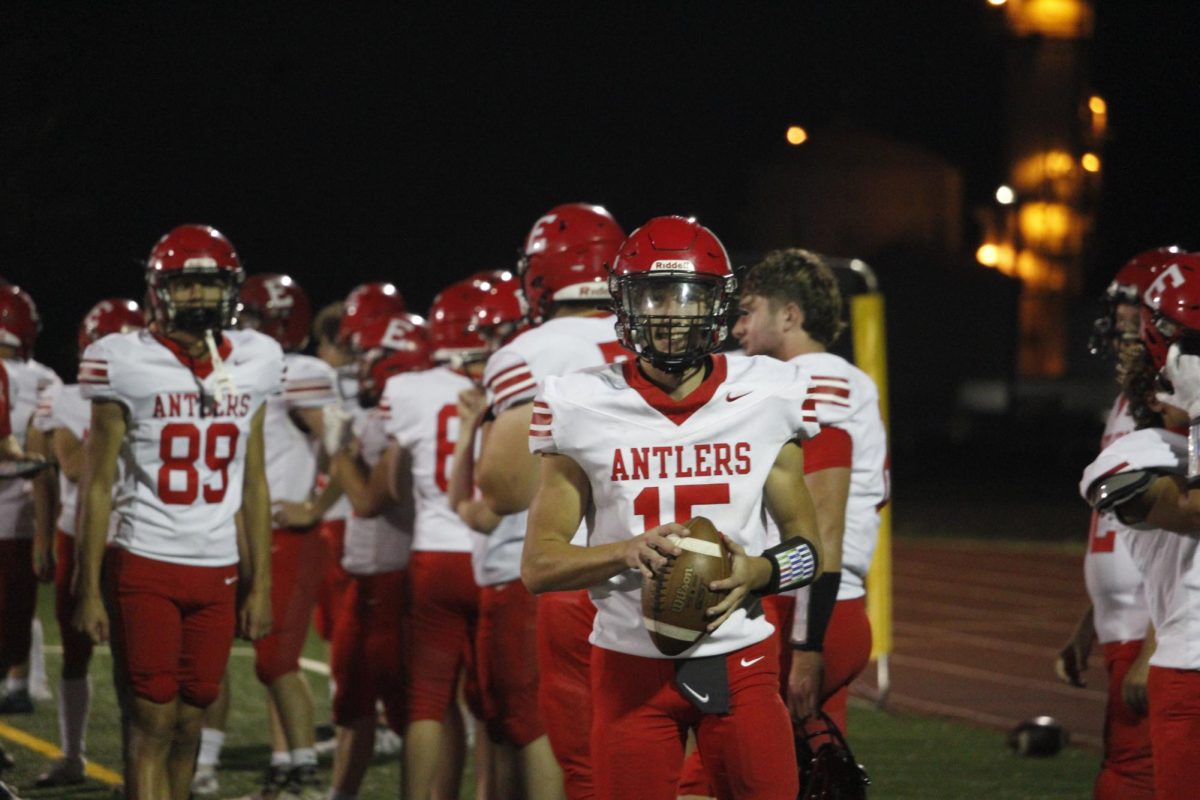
{"x": 830, "y": 489}
{"x": 107, "y": 432}
{"x": 1167, "y": 504}
{"x": 68, "y": 451}
{"x": 354, "y": 476}
{"x": 549, "y": 562}
{"x": 45, "y": 509}
{"x": 474, "y": 513}
{"x": 790, "y": 504}
{"x": 256, "y": 507}
{"x": 507, "y": 473}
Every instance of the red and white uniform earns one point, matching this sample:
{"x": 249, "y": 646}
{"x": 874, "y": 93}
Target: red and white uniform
{"x": 1118, "y": 597}
{"x": 650, "y": 459}
{"x": 183, "y": 449}
{"x": 18, "y": 585}
{"x": 174, "y": 567}
{"x": 26, "y": 381}
{"x": 5, "y": 410}
{"x": 1168, "y": 564}
{"x": 297, "y": 556}
{"x": 369, "y": 637}
{"x": 513, "y": 376}
{"x": 423, "y": 420}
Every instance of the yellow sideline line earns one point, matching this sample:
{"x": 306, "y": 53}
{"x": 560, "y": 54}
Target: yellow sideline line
{"x": 18, "y": 736}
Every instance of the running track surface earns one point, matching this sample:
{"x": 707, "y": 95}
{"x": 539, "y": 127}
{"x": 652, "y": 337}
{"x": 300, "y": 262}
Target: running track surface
{"x": 977, "y": 628}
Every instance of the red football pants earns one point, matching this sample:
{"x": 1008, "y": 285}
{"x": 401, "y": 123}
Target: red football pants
{"x": 506, "y": 652}
{"x": 443, "y": 608}
{"x": 296, "y": 571}
{"x": 640, "y": 723}
{"x": 564, "y": 623}
{"x": 847, "y": 652}
{"x": 1127, "y": 772}
{"x": 368, "y": 650}
{"x": 1175, "y": 730}
{"x": 172, "y": 626}
{"x": 77, "y": 646}
{"x": 335, "y": 581}
{"x": 18, "y": 599}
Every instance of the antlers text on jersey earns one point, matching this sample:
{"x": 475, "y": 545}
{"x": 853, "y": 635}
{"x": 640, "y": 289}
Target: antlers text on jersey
{"x": 189, "y": 405}
{"x": 705, "y": 460}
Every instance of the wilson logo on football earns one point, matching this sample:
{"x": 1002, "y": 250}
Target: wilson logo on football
{"x": 672, "y": 265}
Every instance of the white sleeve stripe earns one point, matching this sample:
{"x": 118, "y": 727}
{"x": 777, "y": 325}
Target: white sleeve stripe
{"x": 515, "y": 391}
{"x": 504, "y": 372}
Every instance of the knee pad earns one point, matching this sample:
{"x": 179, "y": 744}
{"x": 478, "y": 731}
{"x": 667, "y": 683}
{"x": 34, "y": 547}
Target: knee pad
{"x": 159, "y": 688}
{"x": 201, "y": 695}
{"x": 271, "y": 664}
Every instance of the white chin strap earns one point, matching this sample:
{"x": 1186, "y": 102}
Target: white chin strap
{"x": 223, "y": 385}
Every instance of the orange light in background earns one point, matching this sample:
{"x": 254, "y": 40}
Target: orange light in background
{"x": 1099, "y": 109}
{"x": 1031, "y": 173}
{"x": 1090, "y": 162}
{"x": 1058, "y": 19}
{"x": 1051, "y": 228}
{"x": 988, "y": 255}
{"x": 997, "y": 2}
{"x": 797, "y": 135}
{"x": 1097, "y": 105}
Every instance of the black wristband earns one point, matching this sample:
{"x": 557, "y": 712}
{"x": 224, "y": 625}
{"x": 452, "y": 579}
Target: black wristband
{"x": 821, "y": 600}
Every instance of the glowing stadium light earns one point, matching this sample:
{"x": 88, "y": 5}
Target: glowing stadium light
{"x": 797, "y": 135}
{"x": 1005, "y": 196}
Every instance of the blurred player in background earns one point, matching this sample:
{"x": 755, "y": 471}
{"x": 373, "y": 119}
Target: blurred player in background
{"x": 183, "y": 404}
{"x": 791, "y": 309}
{"x": 1117, "y": 616}
{"x": 369, "y": 659}
{"x": 64, "y": 416}
{"x": 27, "y": 379}
{"x": 506, "y": 640}
{"x": 731, "y": 425}
{"x": 564, "y": 274}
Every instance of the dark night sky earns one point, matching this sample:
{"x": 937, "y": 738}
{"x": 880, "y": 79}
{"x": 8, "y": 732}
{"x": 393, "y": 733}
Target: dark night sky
{"x": 384, "y": 143}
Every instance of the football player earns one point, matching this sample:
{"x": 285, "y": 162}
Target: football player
{"x": 1142, "y": 478}
{"x": 506, "y": 640}
{"x": 564, "y": 275}
{"x": 19, "y": 328}
{"x": 444, "y": 609}
{"x": 1117, "y": 617}
{"x": 369, "y": 663}
{"x": 277, "y": 306}
{"x": 642, "y": 447}
{"x": 790, "y": 309}
{"x": 183, "y": 403}
{"x": 63, "y": 416}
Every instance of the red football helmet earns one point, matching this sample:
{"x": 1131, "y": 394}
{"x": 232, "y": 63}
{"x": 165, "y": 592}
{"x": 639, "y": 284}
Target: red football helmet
{"x": 672, "y": 283}
{"x": 1127, "y": 287}
{"x": 277, "y": 306}
{"x": 366, "y": 302}
{"x": 19, "y": 320}
{"x": 503, "y": 312}
{"x": 452, "y": 323}
{"x": 567, "y": 256}
{"x": 1171, "y": 306}
{"x": 114, "y": 315}
{"x": 387, "y": 346}
{"x": 193, "y": 252}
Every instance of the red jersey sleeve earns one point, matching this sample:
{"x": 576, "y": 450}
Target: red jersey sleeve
{"x": 830, "y": 448}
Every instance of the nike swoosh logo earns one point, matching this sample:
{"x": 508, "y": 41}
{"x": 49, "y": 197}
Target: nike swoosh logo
{"x": 752, "y": 661}
{"x": 703, "y": 698}
{"x": 229, "y": 581}
{"x": 731, "y": 397}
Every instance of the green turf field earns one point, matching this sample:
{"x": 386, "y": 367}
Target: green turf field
{"x": 907, "y": 756}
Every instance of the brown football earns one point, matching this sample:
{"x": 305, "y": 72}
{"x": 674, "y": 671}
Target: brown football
{"x": 674, "y": 601}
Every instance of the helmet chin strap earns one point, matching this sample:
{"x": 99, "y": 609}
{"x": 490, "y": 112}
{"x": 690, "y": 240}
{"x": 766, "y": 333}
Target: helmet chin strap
{"x": 223, "y": 384}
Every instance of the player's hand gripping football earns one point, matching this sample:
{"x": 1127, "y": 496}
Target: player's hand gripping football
{"x": 804, "y": 684}
{"x": 650, "y": 552}
{"x": 254, "y": 617}
{"x": 91, "y": 618}
{"x": 747, "y": 573}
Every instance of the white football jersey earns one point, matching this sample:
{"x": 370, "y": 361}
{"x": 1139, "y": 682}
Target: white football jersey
{"x": 556, "y": 347}
{"x": 1114, "y": 583}
{"x": 291, "y": 454}
{"x": 650, "y": 459}
{"x": 496, "y": 557}
{"x": 840, "y": 385}
{"x": 1166, "y": 560}
{"x": 422, "y": 410}
{"x": 26, "y": 382}
{"x": 382, "y": 543}
{"x": 63, "y": 407}
{"x": 184, "y": 449}
{"x": 347, "y": 389}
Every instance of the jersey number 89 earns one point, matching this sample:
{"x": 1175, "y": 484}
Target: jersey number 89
{"x": 179, "y": 448}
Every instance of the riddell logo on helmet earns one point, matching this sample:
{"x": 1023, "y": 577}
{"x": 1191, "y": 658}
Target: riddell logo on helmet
{"x": 672, "y": 265}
